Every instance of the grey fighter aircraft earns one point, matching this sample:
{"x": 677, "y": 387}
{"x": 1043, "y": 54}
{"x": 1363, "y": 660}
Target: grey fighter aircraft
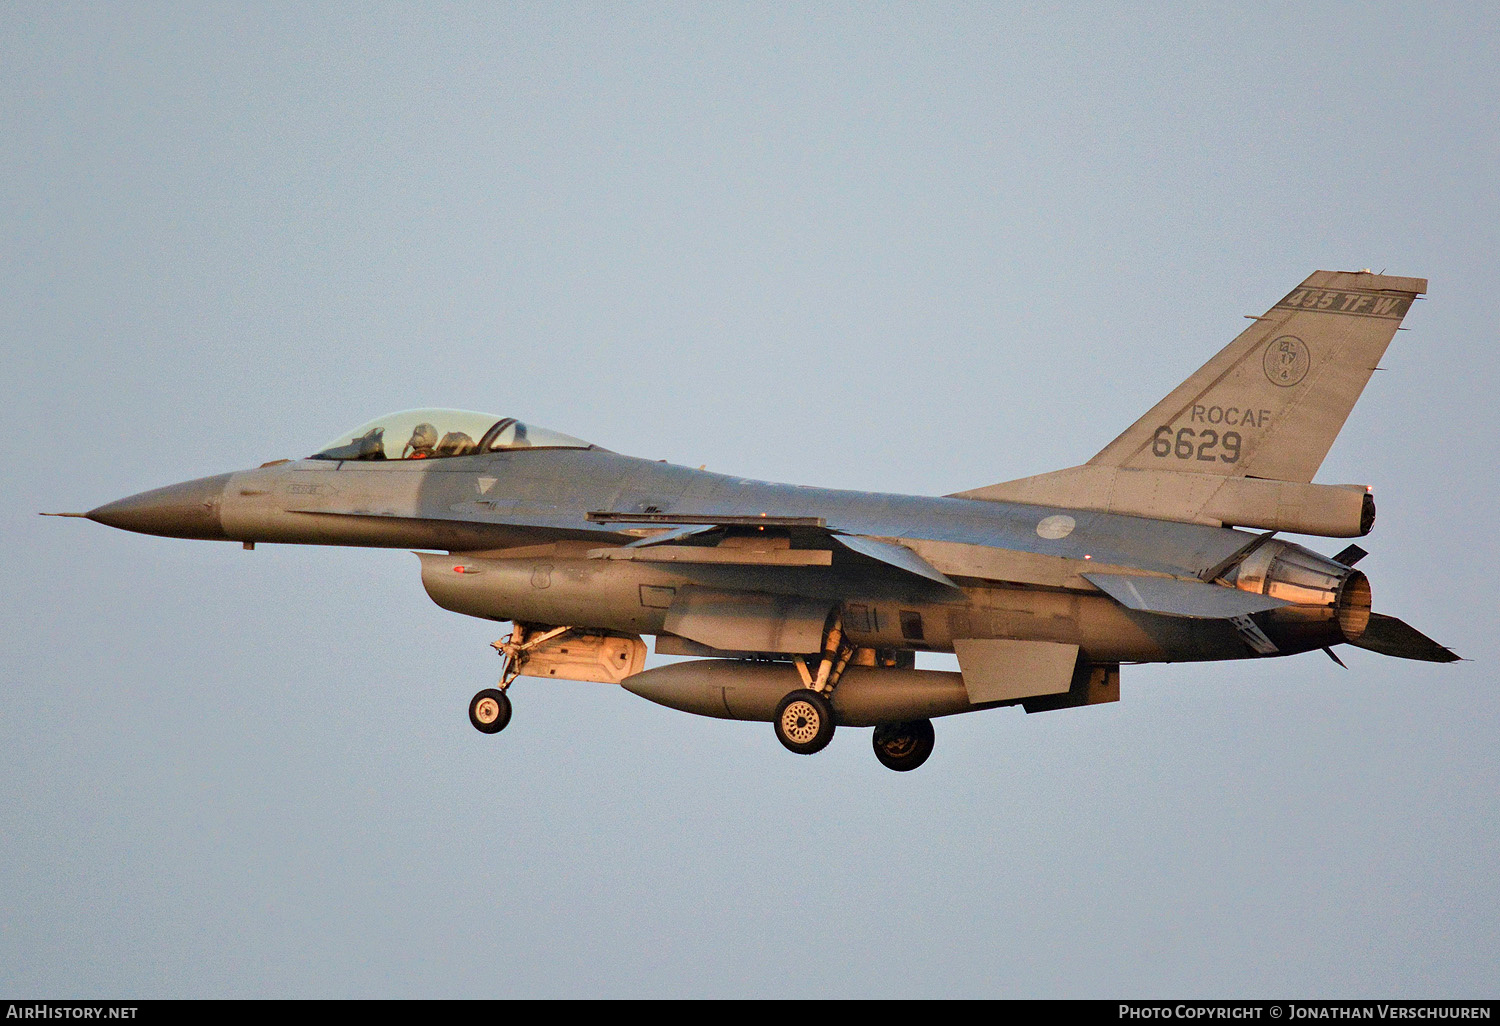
{"x": 806, "y": 606}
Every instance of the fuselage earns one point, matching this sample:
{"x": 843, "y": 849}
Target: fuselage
{"x": 520, "y": 520}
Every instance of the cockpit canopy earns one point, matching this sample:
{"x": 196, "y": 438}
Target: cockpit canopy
{"x": 433, "y": 434}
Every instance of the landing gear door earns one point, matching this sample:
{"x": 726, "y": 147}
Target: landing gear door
{"x": 601, "y": 658}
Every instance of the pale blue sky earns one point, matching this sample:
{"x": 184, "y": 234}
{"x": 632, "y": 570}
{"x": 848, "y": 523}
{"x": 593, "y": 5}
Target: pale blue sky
{"x": 904, "y": 247}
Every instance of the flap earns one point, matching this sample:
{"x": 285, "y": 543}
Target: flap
{"x": 1171, "y": 597}
{"x": 748, "y": 621}
{"x": 998, "y": 669}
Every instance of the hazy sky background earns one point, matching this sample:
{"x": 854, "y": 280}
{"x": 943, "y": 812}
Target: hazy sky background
{"x": 910, "y": 247}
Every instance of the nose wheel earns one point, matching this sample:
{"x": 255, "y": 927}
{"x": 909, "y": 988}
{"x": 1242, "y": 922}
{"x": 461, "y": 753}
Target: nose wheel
{"x": 489, "y": 711}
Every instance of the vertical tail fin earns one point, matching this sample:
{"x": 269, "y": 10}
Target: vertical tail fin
{"x": 1270, "y": 404}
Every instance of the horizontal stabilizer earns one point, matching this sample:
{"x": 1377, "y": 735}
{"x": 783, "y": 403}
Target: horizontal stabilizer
{"x": 1390, "y": 636}
{"x": 1171, "y": 597}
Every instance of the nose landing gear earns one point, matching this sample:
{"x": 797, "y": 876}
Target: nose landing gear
{"x": 489, "y": 710}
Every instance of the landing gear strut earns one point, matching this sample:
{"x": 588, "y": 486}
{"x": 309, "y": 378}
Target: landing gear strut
{"x": 515, "y": 648}
{"x": 489, "y": 710}
{"x": 804, "y": 719}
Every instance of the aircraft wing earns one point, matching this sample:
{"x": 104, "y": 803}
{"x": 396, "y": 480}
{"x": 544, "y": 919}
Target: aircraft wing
{"x": 692, "y": 538}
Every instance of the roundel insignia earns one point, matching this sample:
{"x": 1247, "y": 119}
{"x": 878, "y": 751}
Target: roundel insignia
{"x": 1055, "y": 527}
{"x": 1287, "y": 360}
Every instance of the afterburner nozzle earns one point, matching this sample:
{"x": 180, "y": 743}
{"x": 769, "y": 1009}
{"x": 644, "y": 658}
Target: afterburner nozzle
{"x": 1319, "y": 589}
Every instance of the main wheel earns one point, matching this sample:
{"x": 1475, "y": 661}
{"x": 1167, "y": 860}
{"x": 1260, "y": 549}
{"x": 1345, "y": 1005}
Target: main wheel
{"x": 903, "y": 746}
{"x": 804, "y": 722}
{"x": 489, "y": 711}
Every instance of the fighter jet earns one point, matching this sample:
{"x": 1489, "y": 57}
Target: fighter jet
{"x": 805, "y": 607}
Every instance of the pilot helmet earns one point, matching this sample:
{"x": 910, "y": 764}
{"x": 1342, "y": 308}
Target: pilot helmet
{"x": 424, "y": 436}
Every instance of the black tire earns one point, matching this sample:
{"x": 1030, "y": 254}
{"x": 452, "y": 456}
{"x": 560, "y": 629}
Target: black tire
{"x": 904, "y": 746}
{"x": 804, "y": 722}
{"x": 489, "y": 711}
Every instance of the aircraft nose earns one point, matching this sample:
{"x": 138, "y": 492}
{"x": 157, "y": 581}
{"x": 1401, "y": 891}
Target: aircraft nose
{"x": 186, "y": 510}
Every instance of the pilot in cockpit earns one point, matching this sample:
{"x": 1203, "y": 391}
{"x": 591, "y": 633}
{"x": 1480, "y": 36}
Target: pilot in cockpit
{"x": 424, "y": 438}
{"x": 442, "y": 433}
{"x": 455, "y": 443}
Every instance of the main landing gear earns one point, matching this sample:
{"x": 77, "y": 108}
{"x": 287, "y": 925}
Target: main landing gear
{"x": 804, "y": 720}
{"x": 903, "y": 746}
